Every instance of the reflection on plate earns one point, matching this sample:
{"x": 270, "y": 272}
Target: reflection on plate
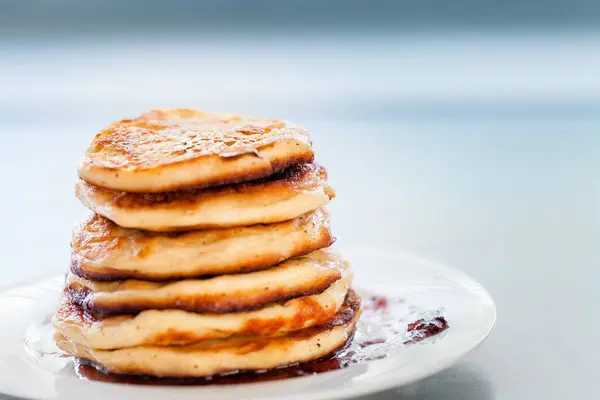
{"x": 401, "y": 337}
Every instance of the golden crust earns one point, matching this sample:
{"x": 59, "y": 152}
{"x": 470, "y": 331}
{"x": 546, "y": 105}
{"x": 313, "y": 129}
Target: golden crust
{"x": 103, "y": 251}
{"x": 178, "y": 327}
{"x": 293, "y": 278}
{"x": 226, "y": 355}
{"x": 165, "y": 150}
{"x": 289, "y": 194}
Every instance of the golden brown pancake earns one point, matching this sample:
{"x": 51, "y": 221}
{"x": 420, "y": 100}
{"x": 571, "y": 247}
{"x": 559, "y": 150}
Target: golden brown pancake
{"x": 166, "y": 150}
{"x": 296, "y": 191}
{"x": 177, "y": 327}
{"x": 103, "y": 251}
{"x": 295, "y": 277}
{"x": 213, "y": 357}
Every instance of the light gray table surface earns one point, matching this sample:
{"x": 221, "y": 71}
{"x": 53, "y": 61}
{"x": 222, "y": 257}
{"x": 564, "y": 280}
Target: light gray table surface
{"x": 511, "y": 196}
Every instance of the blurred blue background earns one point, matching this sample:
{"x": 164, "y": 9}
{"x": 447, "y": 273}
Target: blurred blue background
{"x": 464, "y": 131}
{"x": 70, "y": 60}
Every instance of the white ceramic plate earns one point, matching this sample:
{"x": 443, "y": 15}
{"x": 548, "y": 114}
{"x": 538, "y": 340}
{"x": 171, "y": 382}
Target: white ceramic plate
{"x": 423, "y": 284}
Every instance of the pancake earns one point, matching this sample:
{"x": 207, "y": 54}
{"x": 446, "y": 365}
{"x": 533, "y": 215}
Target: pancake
{"x": 167, "y": 150}
{"x": 295, "y": 277}
{"x": 177, "y": 327}
{"x": 103, "y": 251}
{"x": 296, "y": 191}
{"x": 221, "y": 356}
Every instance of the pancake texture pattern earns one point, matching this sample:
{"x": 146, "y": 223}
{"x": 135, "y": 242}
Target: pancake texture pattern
{"x": 212, "y": 357}
{"x": 176, "y": 327}
{"x": 208, "y": 250}
{"x": 104, "y": 251}
{"x": 287, "y": 195}
{"x": 167, "y": 150}
{"x": 295, "y": 277}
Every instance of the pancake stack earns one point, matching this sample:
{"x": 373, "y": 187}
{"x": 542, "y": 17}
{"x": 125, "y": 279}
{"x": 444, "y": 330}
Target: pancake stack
{"x": 207, "y": 252}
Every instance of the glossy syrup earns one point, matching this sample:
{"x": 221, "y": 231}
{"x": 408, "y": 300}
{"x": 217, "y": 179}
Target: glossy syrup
{"x": 385, "y": 326}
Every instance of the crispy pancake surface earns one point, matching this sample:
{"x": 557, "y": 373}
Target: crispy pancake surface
{"x": 297, "y": 190}
{"x": 295, "y": 277}
{"x": 166, "y": 150}
{"x": 226, "y": 355}
{"x": 177, "y": 327}
{"x": 103, "y": 251}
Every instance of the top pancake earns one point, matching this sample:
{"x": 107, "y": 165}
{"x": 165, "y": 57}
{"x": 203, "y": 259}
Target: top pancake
{"x": 167, "y": 150}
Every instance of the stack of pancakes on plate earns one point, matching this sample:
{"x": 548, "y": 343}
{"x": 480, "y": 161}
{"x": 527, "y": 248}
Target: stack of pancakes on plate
{"x": 207, "y": 252}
